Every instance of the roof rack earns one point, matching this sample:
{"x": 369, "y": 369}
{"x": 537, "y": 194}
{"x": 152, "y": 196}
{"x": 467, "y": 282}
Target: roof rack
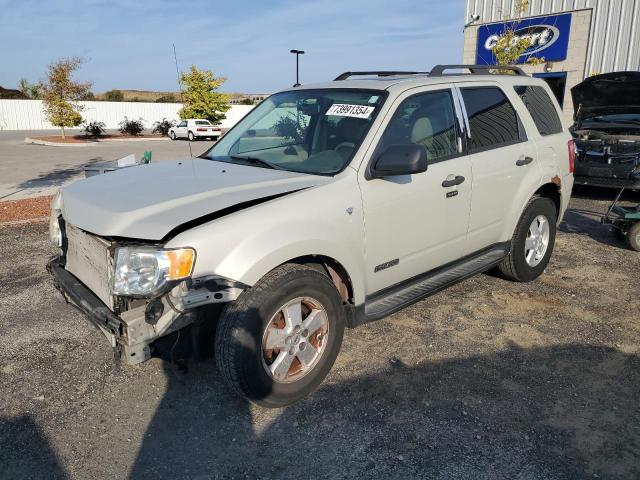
{"x": 438, "y": 70}
{"x": 390, "y": 73}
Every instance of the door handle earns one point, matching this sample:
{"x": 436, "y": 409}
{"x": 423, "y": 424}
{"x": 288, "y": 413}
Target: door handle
{"x": 524, "y": 161}
{"x": 452, "y": 182}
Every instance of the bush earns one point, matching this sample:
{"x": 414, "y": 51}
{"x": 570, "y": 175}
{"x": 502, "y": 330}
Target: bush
{"x": 114, "y": 96}
{"x": 163, "y": 126}
{"x": 94, "y": 129}
{"x": 131, "y": 127}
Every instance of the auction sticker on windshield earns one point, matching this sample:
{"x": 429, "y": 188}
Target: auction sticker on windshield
{"x": 345, "y": 110}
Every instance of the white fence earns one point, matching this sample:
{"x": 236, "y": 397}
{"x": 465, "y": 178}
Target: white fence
{"x": 28, "y": 114}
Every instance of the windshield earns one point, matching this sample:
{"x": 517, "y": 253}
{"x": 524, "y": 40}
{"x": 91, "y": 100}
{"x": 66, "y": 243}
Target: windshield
{"x": 626, "y": 118}
{"x": 202, "y": 122}
{"x": 309, "y": 131}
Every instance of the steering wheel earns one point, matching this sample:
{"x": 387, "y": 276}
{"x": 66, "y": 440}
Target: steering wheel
{"x": 343, "y": 146}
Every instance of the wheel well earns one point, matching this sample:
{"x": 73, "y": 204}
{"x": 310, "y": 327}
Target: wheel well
{"x": 552, "y": 191}
{"x": 333, "y": 269}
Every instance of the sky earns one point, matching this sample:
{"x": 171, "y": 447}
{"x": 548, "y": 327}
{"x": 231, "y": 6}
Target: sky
{"x": 128, "y": 44}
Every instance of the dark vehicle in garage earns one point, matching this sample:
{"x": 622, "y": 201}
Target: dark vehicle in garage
{"x": 607, "y": 129}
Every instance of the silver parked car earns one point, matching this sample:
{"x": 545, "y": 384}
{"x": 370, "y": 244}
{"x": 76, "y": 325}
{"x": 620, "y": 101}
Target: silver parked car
{"x": 326, "y": 207}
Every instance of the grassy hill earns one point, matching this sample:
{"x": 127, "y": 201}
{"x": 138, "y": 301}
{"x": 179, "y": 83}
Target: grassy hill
{"x": 142, "y": 95}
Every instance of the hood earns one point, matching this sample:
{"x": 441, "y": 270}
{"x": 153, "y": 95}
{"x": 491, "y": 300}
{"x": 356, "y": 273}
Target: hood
{"x": 149, "y": 201}
{"x": 609, "y": 93}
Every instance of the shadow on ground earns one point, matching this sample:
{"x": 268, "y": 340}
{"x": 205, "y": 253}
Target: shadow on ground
{"x": 557, "y": 413}
{"x": 587, "y": 221}
{"x": 29, "y": 454}
{"x": 56, "y": 177}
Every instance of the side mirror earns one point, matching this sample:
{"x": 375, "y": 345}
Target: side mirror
{"x": 404, "y": 159}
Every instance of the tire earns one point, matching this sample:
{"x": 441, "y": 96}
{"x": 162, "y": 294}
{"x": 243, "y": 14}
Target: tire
{"x": 191, "y": 136}
{"x": 246, "y": 325}
{"x": 172, "y": 135}
{"x": 633, "y": 237}
{"x": 517, "y": 266}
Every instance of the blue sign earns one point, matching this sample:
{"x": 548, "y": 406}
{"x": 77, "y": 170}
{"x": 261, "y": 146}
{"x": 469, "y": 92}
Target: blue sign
{"x": 549, "y": 38}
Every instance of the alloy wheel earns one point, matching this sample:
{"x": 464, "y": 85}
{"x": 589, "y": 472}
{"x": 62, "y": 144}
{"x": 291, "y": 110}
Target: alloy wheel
{"x": 537, "y": 241}
{"x": 295, "y": 339}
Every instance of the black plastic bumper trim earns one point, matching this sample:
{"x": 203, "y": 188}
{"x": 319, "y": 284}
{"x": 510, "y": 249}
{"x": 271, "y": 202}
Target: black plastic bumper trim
{"x": 76, "y": 293}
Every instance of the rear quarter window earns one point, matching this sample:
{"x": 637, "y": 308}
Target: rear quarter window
{"x": 541, "y": 108}
{"x": 493, "y": 122}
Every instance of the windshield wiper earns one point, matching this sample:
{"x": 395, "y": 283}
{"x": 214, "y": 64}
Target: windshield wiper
{"x": 256, "y": 160}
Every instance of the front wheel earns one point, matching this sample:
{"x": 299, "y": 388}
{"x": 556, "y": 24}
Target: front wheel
{"x": 277, "y": 342}
{"x": 172, "y": 135}
{"x": 532, "y": 242}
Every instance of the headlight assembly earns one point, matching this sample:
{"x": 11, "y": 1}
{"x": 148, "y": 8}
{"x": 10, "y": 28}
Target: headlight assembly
{"x": 55, "y": 234}
{"x": 147, "y": 271}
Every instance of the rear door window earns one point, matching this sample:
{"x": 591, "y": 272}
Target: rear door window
{"x": 541, "y": 108}
{"x": 493, "y": 122}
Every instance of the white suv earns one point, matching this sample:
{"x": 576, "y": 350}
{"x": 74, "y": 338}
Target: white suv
{"x": 326, "y": 207}
{"x": 194, "y": 129}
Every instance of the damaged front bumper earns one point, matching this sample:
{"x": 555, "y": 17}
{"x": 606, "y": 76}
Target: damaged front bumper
{"x": 603, "y": 164}
{"x": 75, "y": 293}
{"x": 132, "y": 332}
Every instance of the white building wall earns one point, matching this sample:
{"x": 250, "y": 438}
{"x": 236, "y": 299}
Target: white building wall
{"x": 29, "y": 115}
{"x": 614, "y": 32}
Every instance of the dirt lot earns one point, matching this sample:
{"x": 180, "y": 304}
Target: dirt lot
{"x": 489, "y": 379}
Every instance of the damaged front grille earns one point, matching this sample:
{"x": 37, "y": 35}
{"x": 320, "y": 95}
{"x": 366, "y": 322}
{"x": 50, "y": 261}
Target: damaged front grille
{"x": 89, "y": 259}
{"x": 601, "y": 159}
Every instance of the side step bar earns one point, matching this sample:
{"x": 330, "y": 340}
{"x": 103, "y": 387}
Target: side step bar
{"x": 397, "y": 297}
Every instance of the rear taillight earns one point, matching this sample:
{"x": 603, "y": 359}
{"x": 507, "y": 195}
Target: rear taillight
{"x": 201, "y": 129}
{"x": 572, "y": 155}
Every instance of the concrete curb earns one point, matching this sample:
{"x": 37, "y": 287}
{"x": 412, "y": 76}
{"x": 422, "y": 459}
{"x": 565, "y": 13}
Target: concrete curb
{"x": 36, "y": 141}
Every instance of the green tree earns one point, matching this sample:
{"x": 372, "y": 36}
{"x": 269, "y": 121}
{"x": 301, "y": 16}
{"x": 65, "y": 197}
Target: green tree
{"x": 245, "y": 101}
{"x": 60, "y": 93}
{"x": 30, "y": 90}
{"x": 114, "y": 96}
{"x": 509, "y": 47}
{"x": 200, "y": 98}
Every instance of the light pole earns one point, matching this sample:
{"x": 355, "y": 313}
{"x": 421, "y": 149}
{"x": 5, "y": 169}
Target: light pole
{"x": 297, "y": 53}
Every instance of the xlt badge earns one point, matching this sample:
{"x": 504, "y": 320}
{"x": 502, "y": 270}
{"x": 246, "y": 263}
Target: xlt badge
{"x": 388, "y": 264}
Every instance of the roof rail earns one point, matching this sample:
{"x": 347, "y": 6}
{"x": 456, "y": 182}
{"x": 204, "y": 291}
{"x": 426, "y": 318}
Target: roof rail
{"x": 438, "y": 70}
{"x": 345, "y": 75}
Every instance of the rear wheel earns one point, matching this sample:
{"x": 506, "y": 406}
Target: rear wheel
{"x": 191, "y": 136}
{"x": 633, "y": 237}
{"x": 278, "y": 341}
{"x": 532, "y": 242}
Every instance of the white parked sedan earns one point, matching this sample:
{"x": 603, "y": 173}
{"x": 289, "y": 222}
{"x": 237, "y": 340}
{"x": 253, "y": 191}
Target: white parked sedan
{"x": 195, "y": 128}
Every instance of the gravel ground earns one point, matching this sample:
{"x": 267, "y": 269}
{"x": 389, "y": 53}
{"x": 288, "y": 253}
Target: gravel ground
{"x": 486, "y": 380}
{"x": 26, "y": 209}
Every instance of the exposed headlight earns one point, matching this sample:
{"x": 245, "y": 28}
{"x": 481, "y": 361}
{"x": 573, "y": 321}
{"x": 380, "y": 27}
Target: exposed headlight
{"x": 55, "y": 234}
{"x": 146, "y": 271}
